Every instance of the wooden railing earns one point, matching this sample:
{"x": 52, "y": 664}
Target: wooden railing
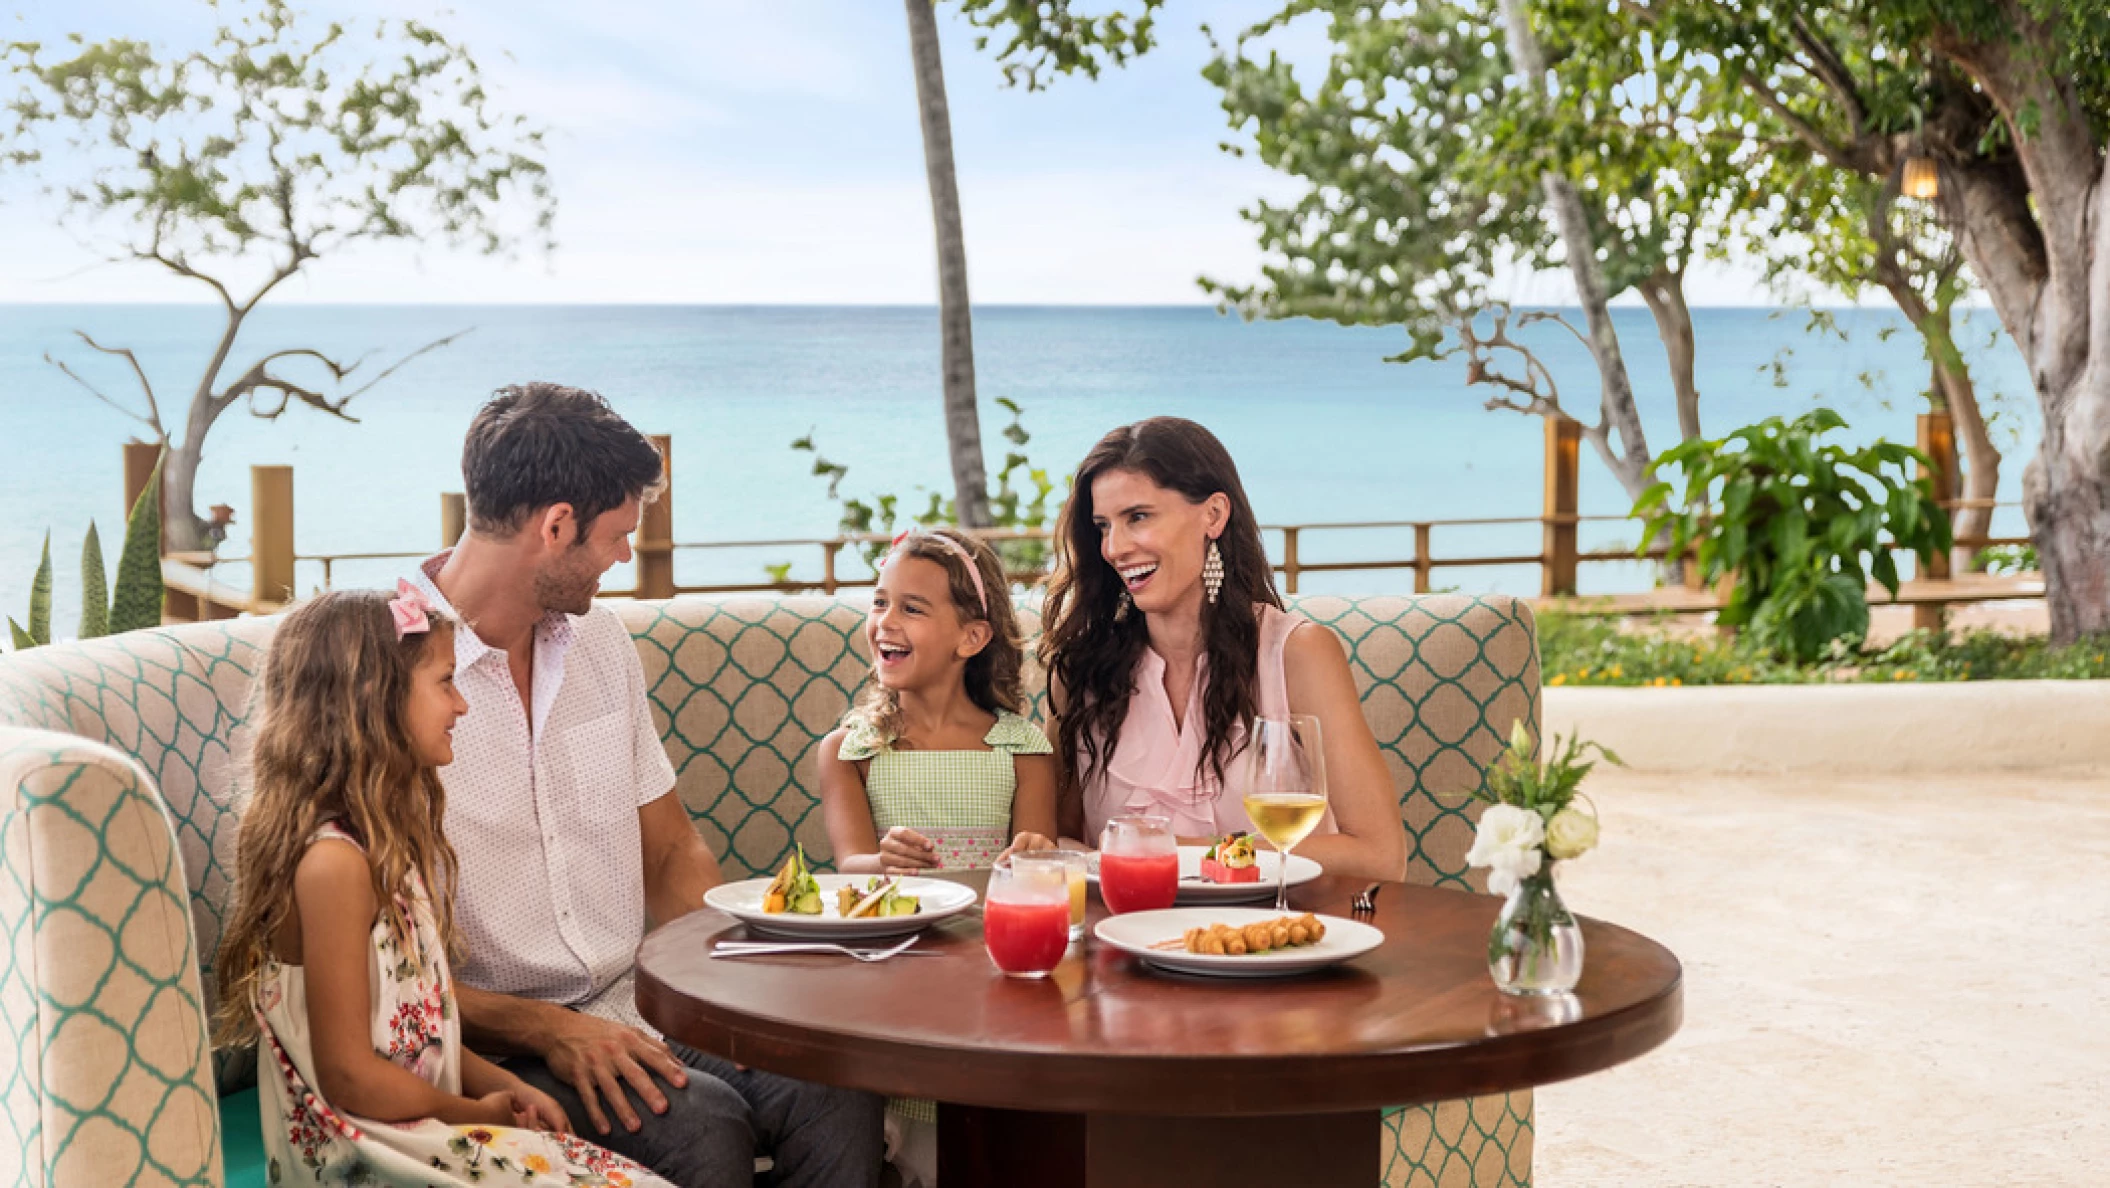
{"x": 195, "y": 594}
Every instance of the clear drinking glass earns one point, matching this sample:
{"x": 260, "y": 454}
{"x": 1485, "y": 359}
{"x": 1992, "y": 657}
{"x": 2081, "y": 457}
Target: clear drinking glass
{"x": 1026, "y": 916}
{"x": 1074, "y": 863}
{"x": 1285, "y": 791}
{"x": 1139, "y": 864}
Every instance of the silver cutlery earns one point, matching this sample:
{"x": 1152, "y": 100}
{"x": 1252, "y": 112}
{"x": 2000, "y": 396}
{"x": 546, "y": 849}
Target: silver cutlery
{"x": 1364, "y": 902}
{"x": 766, "y": 948}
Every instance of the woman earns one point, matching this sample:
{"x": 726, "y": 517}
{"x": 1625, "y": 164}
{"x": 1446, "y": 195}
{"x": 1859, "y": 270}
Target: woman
{"x": 1163, "y": 636}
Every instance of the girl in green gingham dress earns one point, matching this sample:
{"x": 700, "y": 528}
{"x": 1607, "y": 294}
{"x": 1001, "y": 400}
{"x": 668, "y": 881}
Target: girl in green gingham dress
{"x": 935, "y": 751}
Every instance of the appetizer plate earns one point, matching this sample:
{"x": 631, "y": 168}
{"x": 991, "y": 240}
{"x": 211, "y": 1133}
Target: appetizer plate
{"x": 743, "y": 902}
{"x": 1195, "y": 890}
{"x": 1140, "y": 932}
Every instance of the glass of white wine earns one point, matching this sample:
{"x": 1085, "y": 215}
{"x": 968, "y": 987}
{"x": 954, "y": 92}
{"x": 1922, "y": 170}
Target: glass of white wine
{"x": 1285, "y": 791}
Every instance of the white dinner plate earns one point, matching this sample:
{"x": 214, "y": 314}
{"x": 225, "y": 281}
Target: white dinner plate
{"x": 1137, "y": 932}
{"x": 743, "y": 901}
{"x": 1196, "y": 890}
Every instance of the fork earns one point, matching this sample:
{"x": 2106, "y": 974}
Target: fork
{"x": 766, "y": 948}
{"x": 1364, "y": 902}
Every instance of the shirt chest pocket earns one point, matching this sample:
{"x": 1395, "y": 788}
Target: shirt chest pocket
{"x": 595, "y": 757}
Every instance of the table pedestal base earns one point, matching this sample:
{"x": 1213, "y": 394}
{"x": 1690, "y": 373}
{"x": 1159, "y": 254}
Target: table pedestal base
{"x": 1023, "y": 1149}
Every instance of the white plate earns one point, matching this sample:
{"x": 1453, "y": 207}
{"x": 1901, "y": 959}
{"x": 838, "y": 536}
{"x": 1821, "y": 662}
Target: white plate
{"x": 1136, "y": 932}
{"x": 743, "y": 901}
{"x": 1196, "y": 890}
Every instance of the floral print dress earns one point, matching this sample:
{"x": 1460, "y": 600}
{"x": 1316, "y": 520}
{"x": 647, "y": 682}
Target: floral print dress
{"x": 417, "y": 1028}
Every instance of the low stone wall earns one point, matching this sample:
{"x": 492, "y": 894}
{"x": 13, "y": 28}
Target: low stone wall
{"x": 1846, "y": 729}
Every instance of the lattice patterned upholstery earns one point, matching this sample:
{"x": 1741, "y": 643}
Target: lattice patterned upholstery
{"x": 109, "y": 1077}
{"x": 743, "y": 687}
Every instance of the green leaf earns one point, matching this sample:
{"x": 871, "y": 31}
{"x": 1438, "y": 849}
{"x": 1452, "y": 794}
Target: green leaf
{"x": 40, "y": 597}
{"x": 22, "y": 640}
{"x": 136, "y": 603}
{"x": 95, "y": 588}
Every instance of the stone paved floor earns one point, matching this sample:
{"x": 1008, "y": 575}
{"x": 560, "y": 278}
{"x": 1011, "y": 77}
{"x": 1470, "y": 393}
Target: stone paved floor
{"x": 1887, "y": 982}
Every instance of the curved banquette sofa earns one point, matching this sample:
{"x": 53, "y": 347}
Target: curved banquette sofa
{"x": 118, "y": 773}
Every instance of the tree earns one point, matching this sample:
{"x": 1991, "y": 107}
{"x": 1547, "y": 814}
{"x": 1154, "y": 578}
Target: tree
{"x": 237, "y": 165}
{"x": 1046, "y": 39}
{"x": 2012, "y": 99}
{"x": 1432, "y": 164}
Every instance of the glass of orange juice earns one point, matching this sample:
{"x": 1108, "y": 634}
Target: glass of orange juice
{"x": 1074, "y": 863}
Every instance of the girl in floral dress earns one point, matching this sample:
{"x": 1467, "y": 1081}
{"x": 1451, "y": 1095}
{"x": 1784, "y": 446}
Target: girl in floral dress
{"x": 335, "y": 959}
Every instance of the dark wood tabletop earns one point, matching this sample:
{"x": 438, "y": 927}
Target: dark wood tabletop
{"x": 1416, "y": 1020}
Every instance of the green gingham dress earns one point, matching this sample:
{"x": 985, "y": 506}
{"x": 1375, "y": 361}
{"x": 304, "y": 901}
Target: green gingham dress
{"x": 948, "y": 789}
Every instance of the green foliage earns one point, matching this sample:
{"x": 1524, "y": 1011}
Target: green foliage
{"x": 2008, "y": 559}
{"x": 1047, "y": 38}
{"x": 1024, "y": 497}
{"x": 1519, "y": 779}
{"x": 1606, "y": 650}
{"x": 137, "y": 602}
{"x": 139, "y": 589}
{"x": 1800, "y": 525}
{"x": 95, "y": 587}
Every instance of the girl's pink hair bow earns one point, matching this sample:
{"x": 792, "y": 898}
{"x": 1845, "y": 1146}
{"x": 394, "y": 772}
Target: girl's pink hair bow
{"x": 411, "y": 612}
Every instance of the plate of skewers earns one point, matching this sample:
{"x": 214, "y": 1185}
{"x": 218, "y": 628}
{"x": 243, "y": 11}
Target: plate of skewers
{"x": 1232, "y": 942}
{"x": 797, "y": 902}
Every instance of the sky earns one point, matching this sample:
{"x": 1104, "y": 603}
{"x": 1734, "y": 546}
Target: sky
{"x": 768, "y": 152}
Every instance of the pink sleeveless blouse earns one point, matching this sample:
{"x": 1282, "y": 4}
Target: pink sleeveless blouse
{"x": 1154, "y": 766}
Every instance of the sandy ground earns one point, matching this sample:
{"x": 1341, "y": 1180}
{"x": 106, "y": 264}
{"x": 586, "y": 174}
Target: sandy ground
{"x": 1887, "y": 981}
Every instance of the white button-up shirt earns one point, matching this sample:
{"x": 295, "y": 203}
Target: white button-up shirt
{"x": 551, "y": 897}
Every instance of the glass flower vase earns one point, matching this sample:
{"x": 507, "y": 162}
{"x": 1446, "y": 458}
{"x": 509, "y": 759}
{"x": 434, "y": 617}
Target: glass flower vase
{"x": 1536, "y": 946}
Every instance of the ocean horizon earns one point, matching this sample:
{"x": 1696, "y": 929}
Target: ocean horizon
{"x": 1322, "y": 428}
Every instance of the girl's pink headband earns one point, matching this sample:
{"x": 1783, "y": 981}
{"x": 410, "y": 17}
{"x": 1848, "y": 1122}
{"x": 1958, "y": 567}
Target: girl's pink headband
{"x": 966, "y": 558}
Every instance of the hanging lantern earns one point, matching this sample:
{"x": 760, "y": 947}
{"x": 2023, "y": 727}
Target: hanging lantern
{"x": 1922, "y": 178}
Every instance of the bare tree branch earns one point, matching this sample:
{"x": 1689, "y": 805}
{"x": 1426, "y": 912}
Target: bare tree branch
{"x": 259, "y": 380}
{"x": 398, "y": 364}
{"x": 92, "y": 391}
{"x": 1831, "y": 70}
{"x": 153, "y": 417}
{"x": 1808, "y": 133}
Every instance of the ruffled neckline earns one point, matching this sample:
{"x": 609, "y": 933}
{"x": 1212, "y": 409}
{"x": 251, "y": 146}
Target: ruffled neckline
{"x": 1011, "y": 735}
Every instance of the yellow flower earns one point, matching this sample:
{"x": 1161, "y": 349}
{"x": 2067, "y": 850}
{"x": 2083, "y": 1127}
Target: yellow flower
{"x": 1676, "y": 681}
{"x": 1615, "y": 672}
{"x": 1584, "y": 675}
{"x": 535, "y": 1163}
{"x": 1559, "y": 678}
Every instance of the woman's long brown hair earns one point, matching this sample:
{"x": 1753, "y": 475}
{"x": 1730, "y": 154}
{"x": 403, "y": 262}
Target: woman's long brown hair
{"x": 1093, "y": 656}
{"x": 331, "y": 742}
{"x": 993, "y": 677}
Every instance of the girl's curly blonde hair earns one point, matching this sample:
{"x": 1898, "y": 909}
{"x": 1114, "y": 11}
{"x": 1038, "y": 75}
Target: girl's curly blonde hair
{"x": 331, "y": 743}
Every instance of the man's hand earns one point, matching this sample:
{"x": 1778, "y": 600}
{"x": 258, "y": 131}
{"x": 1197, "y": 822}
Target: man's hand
{"x": 595, "y": 1057}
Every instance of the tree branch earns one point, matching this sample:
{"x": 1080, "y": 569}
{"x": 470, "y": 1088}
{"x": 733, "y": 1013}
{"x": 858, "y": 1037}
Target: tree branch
{"x": 153, "y": 417}
{"x": 159, "y": 433}
{"x": 258, "y": 380}
{"x": 1832, "y": 71}
{"x": 1809, "y": 134}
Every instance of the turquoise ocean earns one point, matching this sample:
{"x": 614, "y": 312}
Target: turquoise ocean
{"x": 1322, "y": 428}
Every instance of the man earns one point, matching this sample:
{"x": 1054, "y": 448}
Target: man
{"x": 560, "y": 804}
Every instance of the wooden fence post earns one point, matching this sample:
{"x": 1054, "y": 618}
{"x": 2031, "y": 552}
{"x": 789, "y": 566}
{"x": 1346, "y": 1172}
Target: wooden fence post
{"x": 1423, "y": 566}
{"x": 1937, "y": 440}
{"x": 1557, "y": 561}
{"x": 1289, "y": 560}
{"x": 655, "y": 530}
{"x": 454, "y": 518}
{"x": 271, "y": 534}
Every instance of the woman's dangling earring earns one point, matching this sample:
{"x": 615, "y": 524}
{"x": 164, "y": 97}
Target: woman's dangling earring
{"x": 1122, "y": 606}
{"x": 1213, "y": 573}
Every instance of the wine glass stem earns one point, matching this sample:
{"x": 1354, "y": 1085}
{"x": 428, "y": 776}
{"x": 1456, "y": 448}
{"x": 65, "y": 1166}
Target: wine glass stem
{"x": 1282, "y": 883}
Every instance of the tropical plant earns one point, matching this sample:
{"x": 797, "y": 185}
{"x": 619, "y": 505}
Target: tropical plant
{"x": 1045, "y": 39}
{"x": 1799, "y": 525}
{"x": 139, "y": 590}
{"x": 1025, "y": 497}
{"x": 236, "y": 165}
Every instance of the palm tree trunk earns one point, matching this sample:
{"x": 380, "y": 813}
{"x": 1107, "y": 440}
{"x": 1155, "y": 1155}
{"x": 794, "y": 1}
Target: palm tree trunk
{"x": 963, "y": 428}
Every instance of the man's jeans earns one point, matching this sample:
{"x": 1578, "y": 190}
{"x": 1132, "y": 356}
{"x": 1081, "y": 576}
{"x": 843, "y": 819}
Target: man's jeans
{"x": 817, "y": 1135}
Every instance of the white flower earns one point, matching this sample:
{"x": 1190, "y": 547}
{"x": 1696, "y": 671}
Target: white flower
{"x": 1571, "y": 833}
{"x": 1509, "y": 844}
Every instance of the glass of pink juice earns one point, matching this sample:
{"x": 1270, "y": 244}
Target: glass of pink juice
{"x": 1139, "y": 864}
{"x": 1026, "y": 917}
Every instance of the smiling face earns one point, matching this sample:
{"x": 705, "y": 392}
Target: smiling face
{"x": 434, "y": 704}
{"x": 915, "y": 630}
{"x": 1155, "y": 538}
{"x": 570, "y": 575}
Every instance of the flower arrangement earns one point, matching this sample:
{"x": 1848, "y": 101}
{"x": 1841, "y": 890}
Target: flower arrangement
{"x": 1536, "y": 813}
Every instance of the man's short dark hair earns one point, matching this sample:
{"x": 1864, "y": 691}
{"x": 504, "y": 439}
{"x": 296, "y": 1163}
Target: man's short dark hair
{"x": 533, "y": 446}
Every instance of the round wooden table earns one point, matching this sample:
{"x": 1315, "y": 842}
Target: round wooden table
{"x": 1108, "y": 1073}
